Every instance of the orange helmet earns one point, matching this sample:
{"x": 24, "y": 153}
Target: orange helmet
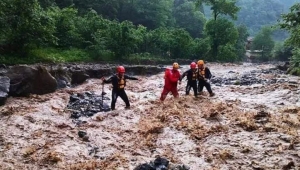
{"x": 175, "y": 66}
{"x": 193, "y": 65}
{"x": 200, "y": 62}
{"x": 121, "y": 69}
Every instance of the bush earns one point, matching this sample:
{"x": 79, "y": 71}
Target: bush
{"x": 48, "y": 55}
{"x": 281, "y": 52}
{"x": 295, "y": 63}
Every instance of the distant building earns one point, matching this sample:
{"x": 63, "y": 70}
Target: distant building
{"x": 249, "y": 43}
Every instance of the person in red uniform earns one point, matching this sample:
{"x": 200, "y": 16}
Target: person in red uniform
{"x": 172, "y": 77}
{"x": 191, "y": 75}
{"x": 119, "y": 82}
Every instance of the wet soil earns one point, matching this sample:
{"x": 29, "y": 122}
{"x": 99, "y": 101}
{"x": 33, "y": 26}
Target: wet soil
{"x": 252, "y": 126}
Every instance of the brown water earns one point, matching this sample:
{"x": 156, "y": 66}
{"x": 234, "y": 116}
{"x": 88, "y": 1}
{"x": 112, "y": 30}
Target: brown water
{"x": 223, "y": 132}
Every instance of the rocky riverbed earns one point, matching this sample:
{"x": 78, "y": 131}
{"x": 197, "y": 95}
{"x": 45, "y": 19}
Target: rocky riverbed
{"x": 252, "y": 123}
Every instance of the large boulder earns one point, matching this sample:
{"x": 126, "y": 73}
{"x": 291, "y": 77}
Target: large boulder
{"x": 62, "y": 76}
{"x": 4, "y": 89}
{"x": 284, "y": 67}
{"x": 25, "y": 80}
{"x": 79, "y": 77}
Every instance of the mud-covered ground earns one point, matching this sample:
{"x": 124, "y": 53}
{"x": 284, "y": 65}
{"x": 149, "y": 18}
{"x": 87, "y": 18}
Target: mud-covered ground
{"x": 242, "y": 127}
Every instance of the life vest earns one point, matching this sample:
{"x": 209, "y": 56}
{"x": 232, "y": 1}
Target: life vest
{"x": 194, "y": 76}
{"x": 121, "y": 82}
{"x": 202, "y": 72}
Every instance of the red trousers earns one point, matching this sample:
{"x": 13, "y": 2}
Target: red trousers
{"x": 165, "y": 92}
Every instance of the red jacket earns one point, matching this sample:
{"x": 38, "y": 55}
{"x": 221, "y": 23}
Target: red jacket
{"x": 171, "y": 78}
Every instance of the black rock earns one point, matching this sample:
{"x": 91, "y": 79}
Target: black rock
{"x": 144, "y": 166}
{"x": 161, "y": 162}
{"x": 2, "y": 66}
{"x": 87, "y": 104}
{"x": 158, "y": 164}
{"x": 94, "y": 110}
{"x": 4, "y": 89}
{"x": 89, "y": 93}
{"x": 74, "y": 98}
{"x": 89, "y": 114}
{"x": 61, "y": 84}
{"x": 25, "y": 80}
{"x": 75, "y": 115}
{"x": 81, "y": 134}
{"x": 261, "y": 114}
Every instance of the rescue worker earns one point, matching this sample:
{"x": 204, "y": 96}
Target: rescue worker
{"x": 192, "y": 79}
{"x": 119, "y": 82}
{"x": 204, "y": 76}
{"x": 172, "y": 77}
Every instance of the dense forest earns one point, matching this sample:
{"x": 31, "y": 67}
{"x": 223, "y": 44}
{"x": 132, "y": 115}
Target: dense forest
{"x": 89, "y": 30}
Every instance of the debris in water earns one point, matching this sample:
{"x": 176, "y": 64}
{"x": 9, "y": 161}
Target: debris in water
{"x": 81, "y": 134}
{"x": 87, "y": 104}
{"x": 161, "y": 164}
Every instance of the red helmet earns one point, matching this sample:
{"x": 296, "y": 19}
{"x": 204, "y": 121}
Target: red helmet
{"x": 121, "y": 69}
{"x": 193, "y": 65}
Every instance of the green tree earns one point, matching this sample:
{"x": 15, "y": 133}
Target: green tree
{"x": 200, "y": 48}
{"x": 121, "y": 39}
{"x": 214, "y": 28}
{"x": 221, "y": 32}
{"x": 221, "y": 7}
{"x": 191, "y": 20}
{"x": 281, "y": 52}
{"x": 108, "y": 9}
{"x": 263, "y": 41}
{"x": 258, "y": 13}
{"x": 46, "y": 3}
{"x": 64, "y": 3}
{"x": 154, "y": 14}
{"x": 227, "y": 53}
{"x": 291, "y": 23}
{"x": 180, "y": 43}
{"x": 240, "y": 43}
{"x": 66, "y": 30}
{"x": 24, "y": 25}
{"x": 159, "y": 42}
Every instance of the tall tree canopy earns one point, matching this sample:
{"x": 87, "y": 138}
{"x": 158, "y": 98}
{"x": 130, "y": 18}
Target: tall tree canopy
{"x": 185, "y": 14}
{"x": 291, "y": 23}
{"x": 24, "y": 24}
{"x": 221, "y": 7}
{"x": 221, "y": 32}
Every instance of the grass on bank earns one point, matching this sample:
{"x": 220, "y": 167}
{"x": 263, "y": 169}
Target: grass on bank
{"x": 47, "y": 56}
{"x": 55, "y": 56}
{"x": 50, "y": 55}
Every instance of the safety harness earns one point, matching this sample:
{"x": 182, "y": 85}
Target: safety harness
{"x": 121, "y": 82}
{"x": 202, "y": 72}
{"x": 194, "y": 77}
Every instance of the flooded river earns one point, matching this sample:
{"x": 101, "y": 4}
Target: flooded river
{"x": 253, "y": 122}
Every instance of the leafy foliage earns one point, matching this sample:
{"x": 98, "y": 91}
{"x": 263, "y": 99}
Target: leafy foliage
{"x": 257, "y": 13}
{"x": 24, "y": 24}
{"x": 263, "y": 41}
{"x": 222, "y": 33}
{"x": 120, "y": 29}
{"x": 185, "y": 15}
{"x": 291, "y": 23}
{"x": 221, "y": 7}
{"x": 282, "y": 52}
{"x": 240, "y": 43}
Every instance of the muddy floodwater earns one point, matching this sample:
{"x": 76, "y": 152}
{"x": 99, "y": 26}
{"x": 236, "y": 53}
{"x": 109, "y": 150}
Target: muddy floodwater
{"x": 253, "y": 122}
